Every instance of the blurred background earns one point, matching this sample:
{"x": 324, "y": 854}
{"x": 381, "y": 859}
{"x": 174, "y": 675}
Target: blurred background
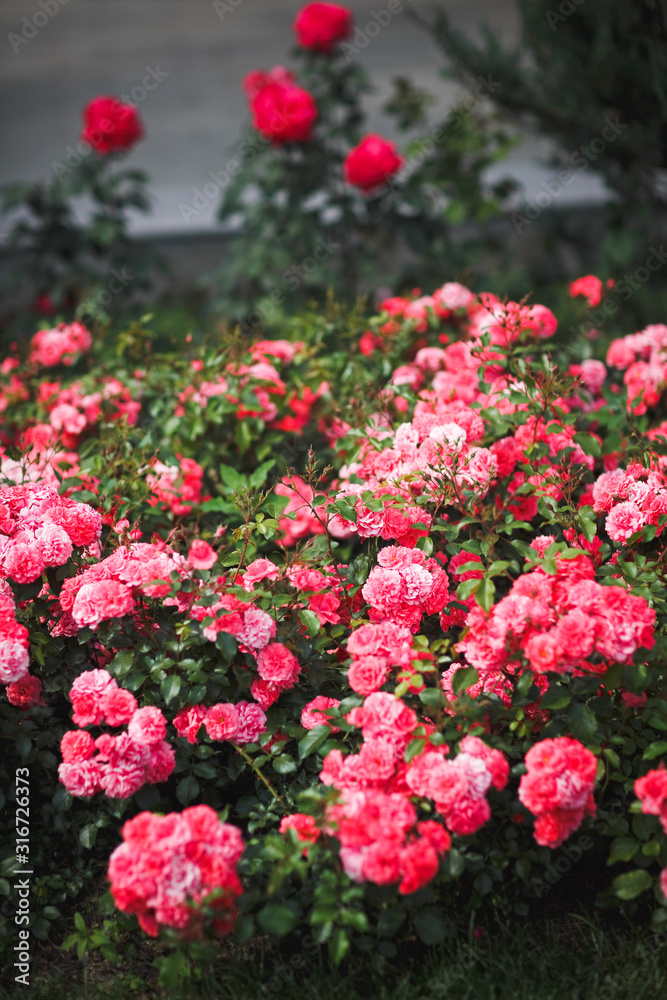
{"x": 523, "y": 84}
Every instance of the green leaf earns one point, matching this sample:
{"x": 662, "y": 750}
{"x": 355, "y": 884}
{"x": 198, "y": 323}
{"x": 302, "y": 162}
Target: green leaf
{"x": 227, "y": 645}
{"x": 582, "y": 722}
{"x": 258, "y": 476}
{"x": 588, "y": 443}
{"x": 122, "y": 663}
{"x": 652, "y": 849}
{"x": 284, "y": 764}
{"x": 244, "y": 928}
{"x": 172, "y": 969}
{"x": 468, "y": 587}
{"x": 589, "y": 522}
{"x": 485, "y": 593}
{"x": 356, "y": 919}
{"x": 232, "y": 481}
{"x": 79, "y": 923}
{"x": 390, "y": 921}
{"x": 338, "y": 946}
{"x": 622, "y": 849}
{"x": 313, "y": 739}
{"x": 556, "y": 697}
{"x": 414, "y": 748}
{"x": 431, "y": 926}
{"x": 310, "y": 620}
{"x": 654, "y": 750}
{"x": 632, "y": 884}
{"x": 276, "y": 919}
{"x": 170, "y": 687}
{"x": 187, "y": 789}
{"x": 464, "y": 678}
{"x": 88, "y": 835}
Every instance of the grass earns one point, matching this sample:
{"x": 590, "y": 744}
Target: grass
{"x": 569, "y": 958}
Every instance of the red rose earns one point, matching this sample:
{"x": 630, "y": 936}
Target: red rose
{"x": 371, "y": 162}
{"x": 109, "y": 125}
{"x": 319, "y": 25}
{"x": 589, "y": 286}
{"x": 284, "y": 112}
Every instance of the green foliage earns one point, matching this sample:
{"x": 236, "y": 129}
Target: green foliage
{"x": 244, "y": 447}
{"x": 592, "y": 79}
{"x": 300, "y": 229}
{"x": 62, "y": 262}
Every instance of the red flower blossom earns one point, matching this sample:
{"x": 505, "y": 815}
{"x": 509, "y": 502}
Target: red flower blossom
{"x": 319, "y": 26}
{"x": 371, "y": 163}
{"x": 111, "y": 126}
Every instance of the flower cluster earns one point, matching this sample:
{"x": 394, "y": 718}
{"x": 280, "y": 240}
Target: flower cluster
{"x": 387, "y": 725}
{"x": 631, "y": 499}
{"x": 405, "y": 586}
{"x": 176, "y": 487}
{"x": 250, "y": 626}
{"x": 61, "y": 345}
{"x": 382, "y": 841}
{"x": 25, "y": 693}
{"x": 284, "y": 112}
{"x": 375, "y": 649}
{"x": 241, "y": 723}
{"x": 170, "y": 869}
{"x": 110, "y": 588}
{"x": 558, "y": 788}
{"x": 643, "y": 358}
{"x": 293, "y": 632}
{"x": 14, "y": 644}
{"x": 590, "y": 287}
{"x": 388, "y": 513}
{"x": 40, "y": 529}
{"x": 557, "y": 623}
{"x": 117, "y": 765}
{"x": 458, "y": 787}
{"x": 652, "y": 791}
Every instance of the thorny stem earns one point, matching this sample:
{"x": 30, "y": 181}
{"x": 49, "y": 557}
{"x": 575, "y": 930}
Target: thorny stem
{"x": 260, "y": 774}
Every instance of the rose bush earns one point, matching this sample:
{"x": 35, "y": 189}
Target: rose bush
{"x": 307, "y": 188}
{"x": 386, "y": 595}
